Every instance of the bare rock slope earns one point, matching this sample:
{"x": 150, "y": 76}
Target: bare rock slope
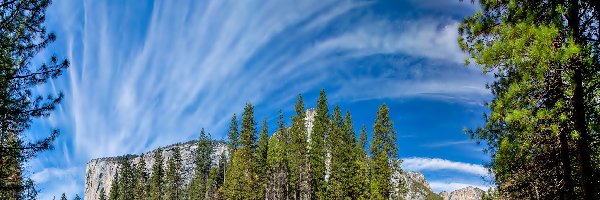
{"x": 468, "y": 193}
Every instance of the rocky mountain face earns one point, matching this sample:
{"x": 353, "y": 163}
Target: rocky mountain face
{"x": 468, "y": 193}
{"x": 99, "y": 173}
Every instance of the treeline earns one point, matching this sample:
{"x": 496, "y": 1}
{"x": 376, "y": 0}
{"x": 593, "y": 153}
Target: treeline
{"x": 329, "y": 161}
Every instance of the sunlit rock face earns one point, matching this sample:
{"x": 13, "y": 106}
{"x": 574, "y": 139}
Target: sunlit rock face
{"x": 99, "y": 173}
{"x": 468, "y": 193}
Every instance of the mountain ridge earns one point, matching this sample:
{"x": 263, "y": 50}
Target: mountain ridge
{"x": 99, "y": 173}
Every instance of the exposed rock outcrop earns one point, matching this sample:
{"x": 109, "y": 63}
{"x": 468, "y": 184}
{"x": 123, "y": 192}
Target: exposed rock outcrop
{"x": 99, "y": 173}
{"x": 468, "y": 193}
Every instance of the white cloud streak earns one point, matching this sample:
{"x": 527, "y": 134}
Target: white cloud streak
{"x": 439, "y": 186}
{"x": 158, "y": 79}
{"x": 448, "y": 143}
{"x": 437, "y": 164}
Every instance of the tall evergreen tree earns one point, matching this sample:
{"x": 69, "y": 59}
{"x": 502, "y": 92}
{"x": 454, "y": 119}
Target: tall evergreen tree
{"x": 544, "y": 55}
{"x": 22, "y": 36}
{"x": 277, "y": 187}
{"x": 248, "y": 130}
{"x": 233, "y": 134}
{"x": 317, "y": 145}
{"x": 383, "y": 155}
{"x": 126, "y": 182}
{"x": 241, "y": 180}
{"x": 173, "y": 179}
{"x": 63, "y": 196}
{"x": 212, "y": 184}
{"x": 141, "y": 185}
{"x": 299, "y": 165}
{"x": 156, "y": 177}
{"x": 343, "y": 165}
{"x": 77, "y": 197}
{"x": 197, "y": 188}
{"x": 114, "y": 193}
{"x": 261, "y": 157}
{"x": 361, "y": 176}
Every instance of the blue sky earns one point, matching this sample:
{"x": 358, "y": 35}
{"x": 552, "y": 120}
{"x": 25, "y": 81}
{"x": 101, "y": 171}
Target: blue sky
{"x": 146, "y": 74}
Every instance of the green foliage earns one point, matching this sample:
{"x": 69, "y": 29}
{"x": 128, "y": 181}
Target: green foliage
{"x": 141, "y": 177}
{"x": 338, "y": 182}
{"x": 248, "y": 132}
{"x": 157, "y": 177}
{"x": 261, "y": 158}
{"x": 383, "y": 155}
{"x": 546, "y": 68}
{"x": 22, "y": 36}
{"x": 318, "y": 146}
{"x": 173, "y": 179}
{"x": 63, "y": 196}
{"x": 233, "y": 134}
{"x": 241, "y": 180}
{"x": 126, "y": 180}
{"x": 277, "y": 166}
{"x": 114, "y": 188}
{"x": 197, "y": 187}
{"x": 298, "y": 164}
{"x": 77, "y": 197}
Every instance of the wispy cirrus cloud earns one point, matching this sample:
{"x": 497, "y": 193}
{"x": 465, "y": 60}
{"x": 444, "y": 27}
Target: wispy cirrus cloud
{"x": 448, "y": 143}
{"x": 155, "y": 73}
{"x": 439, "y": 186}
{"x": 436, "y": 164}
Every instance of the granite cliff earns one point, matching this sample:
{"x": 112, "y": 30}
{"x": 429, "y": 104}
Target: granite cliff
{"x": 99, "y": 174}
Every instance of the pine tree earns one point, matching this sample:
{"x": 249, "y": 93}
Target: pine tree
{"x": 299, "y": 165}
{"x": 173, "y": 178}
{"x": 361, "y": 178}
{"x": 261, "y": 158}
{"x": 77, "y": 197}
{"x": 197, "y": 188}
{"x": 234, "y": 134}
{"x": 248, "y": 131}
{"x": 156, "y": 178}
{"x": 340, "y": 157}
{"x": 114, "y": 188}
{"x": 383, "y": 155}
{"x": 212, "y": 184}
{"x": 22, "y": 36}
{"x": 277, "y": 187}
{"x": 141, "y": 185}
{"x": 63, "y": 196}
{"x": 544, "y": 56}
{"x": 126, "y": 182}
{"x": 241, "y": 180}
{"x": 317, "y": 144}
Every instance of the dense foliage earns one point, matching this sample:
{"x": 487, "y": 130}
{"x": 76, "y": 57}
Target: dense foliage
{"x": 328, "y": 161}
{"x": 22, "y": 36}
{"x": 543, "y": 128}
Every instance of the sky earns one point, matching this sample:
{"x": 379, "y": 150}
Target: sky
{"x": 146, "y": 74}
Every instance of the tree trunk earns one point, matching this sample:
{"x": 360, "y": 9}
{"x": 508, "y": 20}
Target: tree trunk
{"x": 583, "y": 148}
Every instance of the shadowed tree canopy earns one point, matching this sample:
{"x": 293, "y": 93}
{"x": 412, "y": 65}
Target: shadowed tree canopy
{"x": 22, "y": 36}
{"x": 544, "y": 56}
